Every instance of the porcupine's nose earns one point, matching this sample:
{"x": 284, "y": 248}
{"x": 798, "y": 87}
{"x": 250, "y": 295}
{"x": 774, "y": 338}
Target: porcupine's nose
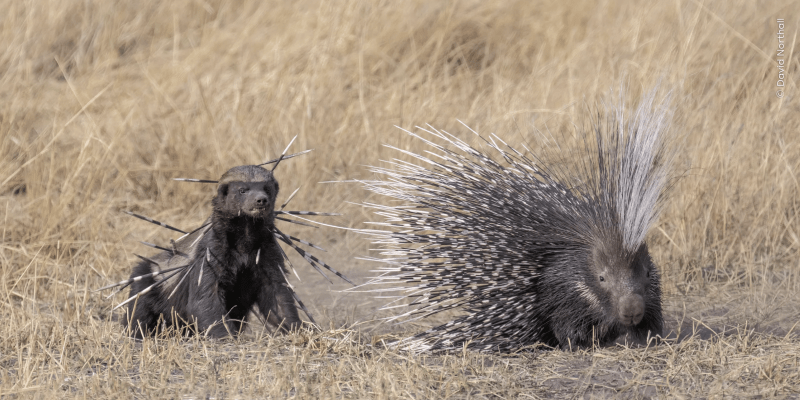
{"x": 631, "y": 309}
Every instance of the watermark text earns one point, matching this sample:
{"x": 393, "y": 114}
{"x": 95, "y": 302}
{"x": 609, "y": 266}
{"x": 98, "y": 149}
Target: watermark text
{"x": 781, "y": 61}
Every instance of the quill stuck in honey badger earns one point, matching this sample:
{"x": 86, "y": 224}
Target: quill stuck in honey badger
{"x": 212, "y": 277}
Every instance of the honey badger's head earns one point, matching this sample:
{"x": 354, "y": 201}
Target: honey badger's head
{"x": 246, "y": 190}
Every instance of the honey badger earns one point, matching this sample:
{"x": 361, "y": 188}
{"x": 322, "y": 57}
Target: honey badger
{"x": 236, "y": 262}
{"x": 212, "y": 277}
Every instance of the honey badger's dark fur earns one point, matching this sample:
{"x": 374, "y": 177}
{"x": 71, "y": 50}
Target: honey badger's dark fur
{"x": 236, "y": 260}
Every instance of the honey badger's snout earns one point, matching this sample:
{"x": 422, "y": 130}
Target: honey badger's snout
{"x": 258, "y": 203}
{"x": 630, "y": 309}
{"x": 262, "y": 200}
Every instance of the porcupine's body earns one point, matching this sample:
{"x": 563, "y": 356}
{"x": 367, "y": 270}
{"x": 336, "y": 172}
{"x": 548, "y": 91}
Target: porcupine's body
{"x": 232, "y": 264}
{"x": 530, "y": 253}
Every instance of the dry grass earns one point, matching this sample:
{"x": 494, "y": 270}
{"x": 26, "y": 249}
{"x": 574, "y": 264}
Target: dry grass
{"x": 103, "y": 103}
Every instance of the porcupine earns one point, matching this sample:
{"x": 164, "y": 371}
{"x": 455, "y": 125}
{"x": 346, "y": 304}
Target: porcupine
{"x": 233, "y": 263}
{"x": 529, "y": 252}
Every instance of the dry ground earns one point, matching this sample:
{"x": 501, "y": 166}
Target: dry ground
{"x": 102, "y": 103}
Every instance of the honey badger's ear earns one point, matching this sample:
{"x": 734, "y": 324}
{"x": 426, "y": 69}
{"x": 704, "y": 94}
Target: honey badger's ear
{"x": 222, "y": 190}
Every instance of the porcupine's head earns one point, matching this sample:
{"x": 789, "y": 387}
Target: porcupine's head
{"x": 600, "y": 291}
{"x": 618, "y": 291}
{"x": 622, "y": 196}
{"x": 247, "y": 190}
{"x": 624, "y": 279}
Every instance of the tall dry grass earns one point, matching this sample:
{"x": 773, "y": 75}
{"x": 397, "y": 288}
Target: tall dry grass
{"x": 102, "y": 103}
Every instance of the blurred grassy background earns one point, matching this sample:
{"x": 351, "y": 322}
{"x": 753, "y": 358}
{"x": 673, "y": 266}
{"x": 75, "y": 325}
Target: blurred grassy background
{"x": 102, "y": 103}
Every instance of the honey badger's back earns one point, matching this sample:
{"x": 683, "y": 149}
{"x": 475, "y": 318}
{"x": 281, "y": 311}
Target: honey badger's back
{"x": 233, "y": 263}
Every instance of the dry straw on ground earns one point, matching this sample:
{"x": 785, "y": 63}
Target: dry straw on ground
{"x": 102, "y": 103}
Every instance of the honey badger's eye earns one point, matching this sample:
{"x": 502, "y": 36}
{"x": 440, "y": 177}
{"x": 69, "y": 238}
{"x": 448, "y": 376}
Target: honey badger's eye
{"x": 243, "y": 190}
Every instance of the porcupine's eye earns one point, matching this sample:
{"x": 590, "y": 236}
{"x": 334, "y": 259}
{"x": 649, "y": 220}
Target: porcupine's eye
{"x": 602, "y": 279}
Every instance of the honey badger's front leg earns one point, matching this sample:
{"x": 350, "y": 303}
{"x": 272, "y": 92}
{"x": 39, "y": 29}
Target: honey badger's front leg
{"x": 276, "y": 303}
